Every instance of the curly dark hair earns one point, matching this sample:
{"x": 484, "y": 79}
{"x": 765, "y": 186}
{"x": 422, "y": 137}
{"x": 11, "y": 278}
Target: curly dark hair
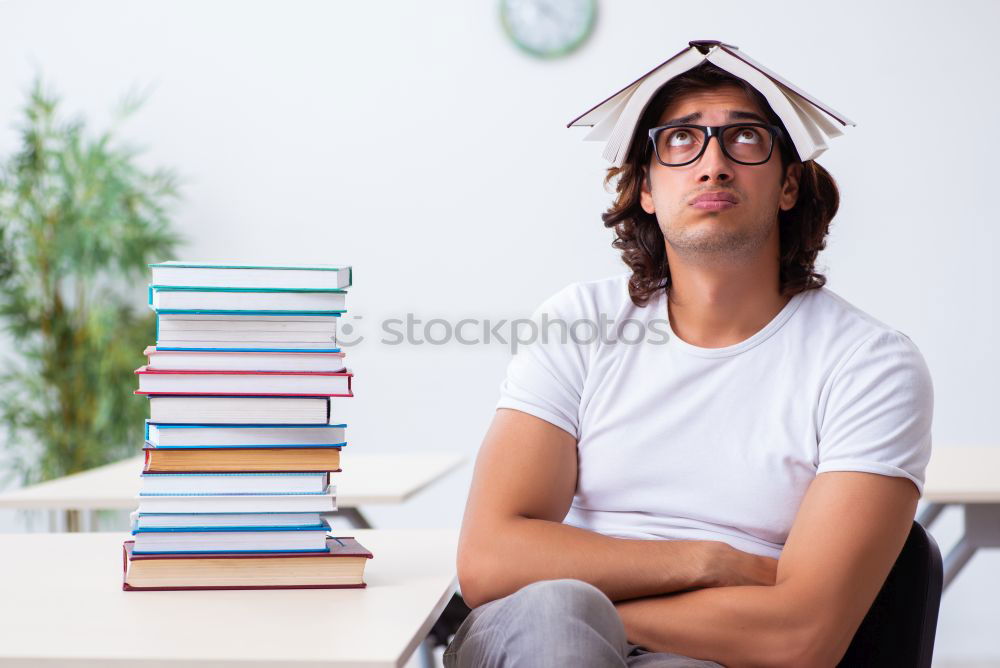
{"x": 802, "y": 229}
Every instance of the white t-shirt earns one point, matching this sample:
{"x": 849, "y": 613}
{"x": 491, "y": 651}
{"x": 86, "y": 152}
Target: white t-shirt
{"x": 676, "y": 441}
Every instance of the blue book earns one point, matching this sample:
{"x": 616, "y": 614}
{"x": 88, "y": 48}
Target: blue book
{"x": 223, "y": 521}
{"x": 319, "y": 525}
{"x": 234, "y": 541}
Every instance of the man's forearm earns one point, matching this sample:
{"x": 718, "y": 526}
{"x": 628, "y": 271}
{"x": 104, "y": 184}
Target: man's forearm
{"x": 734, "y": 626}
{"x": 498, "y": 562}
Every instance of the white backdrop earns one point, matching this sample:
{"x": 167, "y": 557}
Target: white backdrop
{"x": 413, "y": 141}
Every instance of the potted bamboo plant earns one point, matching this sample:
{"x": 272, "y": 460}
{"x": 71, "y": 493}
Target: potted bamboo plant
{"x": 79, "y": 221}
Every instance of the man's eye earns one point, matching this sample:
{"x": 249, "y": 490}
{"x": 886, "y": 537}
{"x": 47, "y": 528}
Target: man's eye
{"x": 747, "y": 136}
{"x": 679, "y": 138}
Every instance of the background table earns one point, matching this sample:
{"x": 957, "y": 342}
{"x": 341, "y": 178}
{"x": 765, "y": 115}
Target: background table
{"x": 373, "y": 479}
{"x": 969, "y": 477}
{"x": 63, "y": 604}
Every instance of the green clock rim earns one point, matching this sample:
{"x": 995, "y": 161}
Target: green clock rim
{"x": 569, "y": 48}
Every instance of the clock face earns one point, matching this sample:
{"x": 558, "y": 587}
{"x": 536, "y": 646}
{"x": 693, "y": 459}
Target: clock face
{"x": 548, "y": 28}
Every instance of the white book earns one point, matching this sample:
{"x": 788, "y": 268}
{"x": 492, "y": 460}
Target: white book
{"x": 238, "y": 410}
{"x": 244, "y": 382}
{"x": 173, "y": 299}
{"x": 242, "y": 361}
{"x": 239, "y": 322}
{"x": 290, "y": 336}
{"x": 244, "y": 436}
{"x": 273, "y": 540}
{"x": 247, "y": 346}
{"x": 809, "y": 122}
{"x": 239, "y": 275}
{"x": 173, "y": 484}
{"x": 222, "y": 520}
{"x": 241, "y": 503}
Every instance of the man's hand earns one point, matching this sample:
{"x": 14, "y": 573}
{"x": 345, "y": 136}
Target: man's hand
{"x": 849, "y": 530}
{"x": 728, "y": 567}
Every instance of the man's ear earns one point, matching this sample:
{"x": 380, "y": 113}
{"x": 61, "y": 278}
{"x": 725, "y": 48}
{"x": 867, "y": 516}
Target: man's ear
{"x": 645, "y": 194}
{"x": 790, "y": 187}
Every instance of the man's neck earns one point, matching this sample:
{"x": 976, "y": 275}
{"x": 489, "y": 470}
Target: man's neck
{"x": 715, "y": 307}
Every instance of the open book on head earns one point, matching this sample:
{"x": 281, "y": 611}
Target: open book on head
{"x": 809, "y": 122}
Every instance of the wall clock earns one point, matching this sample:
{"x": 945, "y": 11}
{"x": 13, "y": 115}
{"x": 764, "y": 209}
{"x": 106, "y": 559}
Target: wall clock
{"x": 548, "y": 28}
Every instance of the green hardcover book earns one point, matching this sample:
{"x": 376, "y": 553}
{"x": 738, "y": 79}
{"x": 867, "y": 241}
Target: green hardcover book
{"x": 177, "y": 274}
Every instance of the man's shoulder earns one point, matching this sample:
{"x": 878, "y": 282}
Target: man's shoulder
{"x": 590, "y": 297}
{"x": 830, "y": 309}
{"x": 835, "y": 324}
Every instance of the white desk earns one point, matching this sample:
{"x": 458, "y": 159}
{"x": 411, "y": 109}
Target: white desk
{"x": 63, "y": 605}
{"x": 367, "y": 479}
{"x": 970, "y": 477}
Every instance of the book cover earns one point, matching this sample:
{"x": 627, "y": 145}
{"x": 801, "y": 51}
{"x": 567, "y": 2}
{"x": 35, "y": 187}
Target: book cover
{"x": 178, "y": 273}
{"x": 244, "y": 300}
{"x": 244, "y": 383}
{"x": 337, "y": 546}
{"x": 244, "y": 436}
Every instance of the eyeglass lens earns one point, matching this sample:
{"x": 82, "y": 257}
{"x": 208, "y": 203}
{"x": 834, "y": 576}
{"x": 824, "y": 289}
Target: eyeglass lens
{"x": 743, "y": 143}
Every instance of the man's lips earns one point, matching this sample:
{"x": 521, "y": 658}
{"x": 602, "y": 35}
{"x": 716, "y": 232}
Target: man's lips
{"x": 714, "y": 201}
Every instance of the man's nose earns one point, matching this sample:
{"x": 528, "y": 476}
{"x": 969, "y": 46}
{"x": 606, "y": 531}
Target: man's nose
{"x": 713, "y": 164}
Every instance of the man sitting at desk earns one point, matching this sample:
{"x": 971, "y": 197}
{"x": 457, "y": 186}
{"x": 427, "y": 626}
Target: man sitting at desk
{"x": 734, "y": 488}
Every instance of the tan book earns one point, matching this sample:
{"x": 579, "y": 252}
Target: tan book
{"x": 240, "y": 460}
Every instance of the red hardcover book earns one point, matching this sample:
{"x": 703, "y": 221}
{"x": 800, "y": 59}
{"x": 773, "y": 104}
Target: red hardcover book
{"x": 251, "y": 570}
{"x": 245, "y": 383}
{"x": 236, "y": 471}
{"x": 240, "y": 360}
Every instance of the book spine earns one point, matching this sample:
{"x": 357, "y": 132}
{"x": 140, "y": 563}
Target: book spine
{"x": 128, "y": 587}
{"x": 208, "y": 288}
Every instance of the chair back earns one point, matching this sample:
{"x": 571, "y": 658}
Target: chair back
{"x": 900, "y": 626}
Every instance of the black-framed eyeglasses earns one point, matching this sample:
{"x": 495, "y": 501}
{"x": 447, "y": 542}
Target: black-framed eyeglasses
{"x": 680, "y": 144}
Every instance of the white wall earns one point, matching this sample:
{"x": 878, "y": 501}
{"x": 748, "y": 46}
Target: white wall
{"x": 414, "y": 142}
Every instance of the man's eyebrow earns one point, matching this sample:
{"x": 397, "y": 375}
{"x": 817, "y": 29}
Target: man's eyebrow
{"x": 733, "y": 115}
{"x": 747, "y": 116}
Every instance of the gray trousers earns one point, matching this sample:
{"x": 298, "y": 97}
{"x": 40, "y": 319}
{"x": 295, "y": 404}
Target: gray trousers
{"x": 552, "y": 624}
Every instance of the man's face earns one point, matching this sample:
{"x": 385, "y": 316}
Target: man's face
{"x": 706, "y": 231}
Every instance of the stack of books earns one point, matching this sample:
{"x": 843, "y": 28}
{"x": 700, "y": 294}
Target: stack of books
{"x": 240, "y": 445}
